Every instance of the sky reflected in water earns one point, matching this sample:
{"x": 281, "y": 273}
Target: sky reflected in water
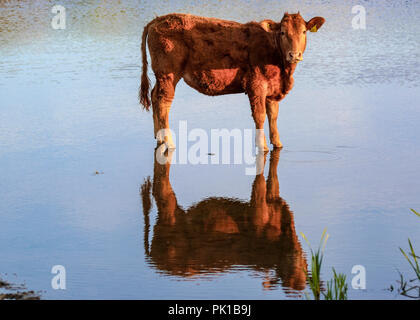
{"x": 140, "y": 230}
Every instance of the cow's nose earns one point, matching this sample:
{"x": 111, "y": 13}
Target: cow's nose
{"x": 295, "y": 55}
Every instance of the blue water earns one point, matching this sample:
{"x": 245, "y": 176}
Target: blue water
{"x": 69, "y": 108}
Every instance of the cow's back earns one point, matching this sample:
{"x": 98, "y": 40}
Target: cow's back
{"x": 180, "y": 22}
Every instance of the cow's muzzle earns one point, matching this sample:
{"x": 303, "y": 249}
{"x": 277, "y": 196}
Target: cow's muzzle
{"x": 294, "y": 56}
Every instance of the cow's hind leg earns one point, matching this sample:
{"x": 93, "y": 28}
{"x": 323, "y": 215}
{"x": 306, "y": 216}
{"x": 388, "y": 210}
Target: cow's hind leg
{"x": 155, "y": 122}
{"x": 162, "y": 96}
{"x": 257, "y": 100}
{"x": 272, "y": 108}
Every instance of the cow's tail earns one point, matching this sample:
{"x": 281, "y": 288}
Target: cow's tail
{"x": 145, "y": 192}
{"x": 144, "y": 95}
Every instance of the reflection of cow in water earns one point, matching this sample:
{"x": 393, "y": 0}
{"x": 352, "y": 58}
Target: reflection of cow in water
{"x": 221, "y": 233}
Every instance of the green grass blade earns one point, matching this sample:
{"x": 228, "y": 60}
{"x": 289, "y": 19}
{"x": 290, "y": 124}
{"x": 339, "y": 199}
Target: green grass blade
{"x": 415, "y": 212}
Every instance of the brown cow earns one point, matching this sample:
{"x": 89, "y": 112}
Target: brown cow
{"x": 219, "y": 57}
{"x": 217, "y": 234}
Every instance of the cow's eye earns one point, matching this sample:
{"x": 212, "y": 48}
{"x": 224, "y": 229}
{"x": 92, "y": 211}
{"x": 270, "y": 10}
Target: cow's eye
{"x": 304, "y": 32}
{"x": 282, "y": 33}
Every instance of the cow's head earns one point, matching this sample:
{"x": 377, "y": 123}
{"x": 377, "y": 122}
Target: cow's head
{"x": 291, "y": 35}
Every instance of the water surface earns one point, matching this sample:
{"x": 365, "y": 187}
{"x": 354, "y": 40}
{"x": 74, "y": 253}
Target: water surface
{"x": 139, "y": 230}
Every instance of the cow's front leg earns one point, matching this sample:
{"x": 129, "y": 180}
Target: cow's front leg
{"x": 257, "y": 100}
{"x": 272, "y": 108}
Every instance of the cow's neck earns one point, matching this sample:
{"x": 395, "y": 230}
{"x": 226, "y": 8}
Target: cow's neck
{"x": 287, "y": 70}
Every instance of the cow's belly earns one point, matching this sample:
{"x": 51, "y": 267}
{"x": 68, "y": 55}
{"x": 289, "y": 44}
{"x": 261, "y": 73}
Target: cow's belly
{"x": 215, "y": 82}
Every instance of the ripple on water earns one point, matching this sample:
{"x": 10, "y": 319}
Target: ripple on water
{"x": 309, "y": 156}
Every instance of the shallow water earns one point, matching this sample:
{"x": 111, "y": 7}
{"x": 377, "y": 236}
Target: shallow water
{"x": 69, "y": 109}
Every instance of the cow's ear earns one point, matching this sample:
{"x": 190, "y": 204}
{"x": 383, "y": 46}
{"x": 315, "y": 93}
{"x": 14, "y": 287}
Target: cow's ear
{"x": 268, "y": 25}
{"x": 314, "y": 24}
